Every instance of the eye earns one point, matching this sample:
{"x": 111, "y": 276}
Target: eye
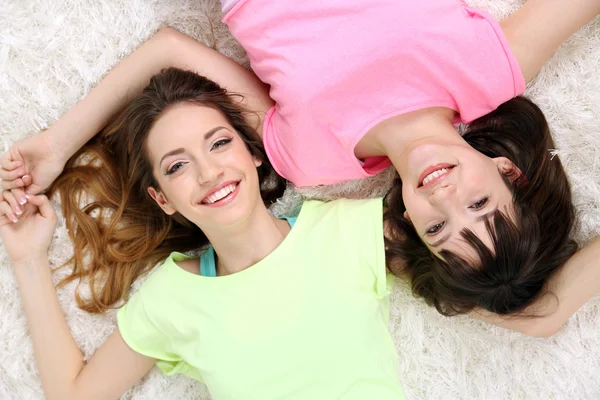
{"x": 479, "y": 204}
{"x": 434, "y": 230}
{"x": 220, "y": 143}
{"x": 175, "y": 167}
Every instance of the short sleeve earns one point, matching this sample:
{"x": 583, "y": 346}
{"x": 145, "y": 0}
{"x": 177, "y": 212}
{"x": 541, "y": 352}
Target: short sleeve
{"x": 362, "y": 222}
{"x": 138, "y": 329}
{"x": 374, "y": 221}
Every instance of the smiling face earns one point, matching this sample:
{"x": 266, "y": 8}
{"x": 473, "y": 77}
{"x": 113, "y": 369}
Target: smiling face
{"x": 452, "y": 187}
{"x": 203, "y": 168}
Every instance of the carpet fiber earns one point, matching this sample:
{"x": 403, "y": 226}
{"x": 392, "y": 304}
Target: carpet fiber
{"x": 53, "y": 52}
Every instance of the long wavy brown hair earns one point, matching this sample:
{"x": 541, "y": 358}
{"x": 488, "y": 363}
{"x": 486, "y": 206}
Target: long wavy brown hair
{"x": 118, "y": 231}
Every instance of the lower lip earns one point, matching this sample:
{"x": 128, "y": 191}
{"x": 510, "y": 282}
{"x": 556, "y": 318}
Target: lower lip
{"x": 432, "y": 169}
{"x": 225, "y": 200}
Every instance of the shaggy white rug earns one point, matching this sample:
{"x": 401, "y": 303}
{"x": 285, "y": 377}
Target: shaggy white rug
{"x": 52, "y": 52}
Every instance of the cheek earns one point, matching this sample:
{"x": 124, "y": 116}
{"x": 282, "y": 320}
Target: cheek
{"x": 413, "y": 205}
{"x": 419, "y": 211}
{"x": 179, "y": 189}
{"x": 479, "y": 177}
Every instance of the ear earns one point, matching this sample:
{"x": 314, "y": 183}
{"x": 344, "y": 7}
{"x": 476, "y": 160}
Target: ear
{"x": 407, "y": 216}
{"x": 257, "y": 162}
{"x": 162, "y": 201}
{"x": 508, "y": 168}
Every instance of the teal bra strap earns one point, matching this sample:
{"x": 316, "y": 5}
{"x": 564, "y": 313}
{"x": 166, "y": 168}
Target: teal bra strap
{"x": 207, "y": 263}
{"x": 291, "y": 221}
{"x": 207, "y": 260}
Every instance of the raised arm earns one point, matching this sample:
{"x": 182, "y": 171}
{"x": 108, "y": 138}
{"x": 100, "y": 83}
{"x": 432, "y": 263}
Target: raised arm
{"x": 535, "y": 31}
{"x": 569, "y": 289}
{"x": 42, "y": 158}
{"x": 168, "y": 48}
{"x": 64, "y": 375}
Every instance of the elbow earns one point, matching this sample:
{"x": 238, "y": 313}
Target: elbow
{"x": 67, "y": 391}
{"x": 174, "y": 48}
{"x": 168, "y": 37}
{"x": 168, "y": 32}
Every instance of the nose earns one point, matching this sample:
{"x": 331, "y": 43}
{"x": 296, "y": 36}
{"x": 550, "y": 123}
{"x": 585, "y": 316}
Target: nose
{"x": 443, "y": 195}
{"x": 209, "y": 171}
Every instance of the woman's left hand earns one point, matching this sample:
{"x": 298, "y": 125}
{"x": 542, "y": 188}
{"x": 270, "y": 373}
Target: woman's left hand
{"x": 30, "y": 237}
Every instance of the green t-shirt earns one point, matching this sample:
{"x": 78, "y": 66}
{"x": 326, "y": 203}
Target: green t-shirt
{"x": 310, "y": 321}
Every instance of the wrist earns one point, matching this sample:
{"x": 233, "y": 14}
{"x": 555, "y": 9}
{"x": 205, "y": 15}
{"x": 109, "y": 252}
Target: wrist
{"x": 32, "y": 260}
{"x": 58, "y": 145}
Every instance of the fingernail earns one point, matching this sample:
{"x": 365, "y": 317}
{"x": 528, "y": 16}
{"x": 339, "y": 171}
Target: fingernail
{"x": 27, "y": 196}
{"x": 22, "y": 200}
{"x": 14, "y": 219}
{"x": 25, "y": 177}
{"x": 19, "y": 211}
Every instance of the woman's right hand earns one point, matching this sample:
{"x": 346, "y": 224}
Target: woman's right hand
{"x": 30, "y": 166}
{"x": 30, "y": 237}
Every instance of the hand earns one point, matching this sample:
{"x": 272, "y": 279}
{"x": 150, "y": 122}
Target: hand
{"x": 30, "y": 166}
{"x": 31, "y": 236}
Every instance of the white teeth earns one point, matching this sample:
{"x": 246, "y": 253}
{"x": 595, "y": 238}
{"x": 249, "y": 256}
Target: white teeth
{"x": 434, "y": 175}
{"x": 219, "y": 194}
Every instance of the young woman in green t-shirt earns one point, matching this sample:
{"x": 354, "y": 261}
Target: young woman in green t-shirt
{"x": 296, "y": 314}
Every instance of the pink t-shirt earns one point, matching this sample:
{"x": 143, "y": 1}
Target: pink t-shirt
{"x": 339, "y": 67}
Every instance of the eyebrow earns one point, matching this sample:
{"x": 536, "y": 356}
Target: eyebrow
{"x": 487, "y": 215}
{"x": 180, "y": 150}
{"x": 481, "y": 218}
{"x": 441, "y": 241}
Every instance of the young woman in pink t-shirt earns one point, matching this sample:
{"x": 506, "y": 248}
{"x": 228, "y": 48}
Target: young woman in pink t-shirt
{"x": 480, "y": 221}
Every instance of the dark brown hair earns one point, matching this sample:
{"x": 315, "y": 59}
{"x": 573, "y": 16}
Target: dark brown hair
{"x": 526, "y": 252}
{"x": 121, "y": 232}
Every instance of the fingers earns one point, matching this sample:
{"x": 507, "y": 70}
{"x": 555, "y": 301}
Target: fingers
{"x": 13, "y": 203}
{"x": 10, "y": 175}
{"x": 43, "y": 205}
{"x": 9, "y": 161}
{"x": 32, "y": 188}
{"x": 12, "y": 171}
{"x": 7, "y": 212}
{"x": 19, "y": 195}
{"x": 14, "y": 184}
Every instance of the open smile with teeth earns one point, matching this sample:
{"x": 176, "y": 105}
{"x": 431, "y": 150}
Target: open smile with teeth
{"x": 435, "y": 174}
{"x": 220, "y": 194}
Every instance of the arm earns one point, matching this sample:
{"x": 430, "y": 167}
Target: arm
{"x": 168, "y": 48}
{"x": 574, "y": 284}
{"x": 536, "y": 30}
{"x": 64, "y": 375}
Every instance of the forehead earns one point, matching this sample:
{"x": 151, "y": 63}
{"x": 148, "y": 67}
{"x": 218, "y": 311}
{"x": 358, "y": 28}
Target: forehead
{"x": 187, "y": 118}
{"x": 181, "y": 123}
{"x": 458, "y": 245}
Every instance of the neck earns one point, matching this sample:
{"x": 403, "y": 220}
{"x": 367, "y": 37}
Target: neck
{"x": 248, "y": 242}
{"x": 396, "y": 137}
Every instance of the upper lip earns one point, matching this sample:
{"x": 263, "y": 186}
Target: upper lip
{"x": 217, "y": 188}
{"x": 431, "y": 169}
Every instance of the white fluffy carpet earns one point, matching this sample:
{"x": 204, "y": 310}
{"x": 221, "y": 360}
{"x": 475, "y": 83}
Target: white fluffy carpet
{"x": 52, "y": 52}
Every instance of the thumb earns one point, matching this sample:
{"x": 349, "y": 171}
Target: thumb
{"x": 32, "y": 188}
{"x": 11, "y": 159}
{"x": 43, "y": 205}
